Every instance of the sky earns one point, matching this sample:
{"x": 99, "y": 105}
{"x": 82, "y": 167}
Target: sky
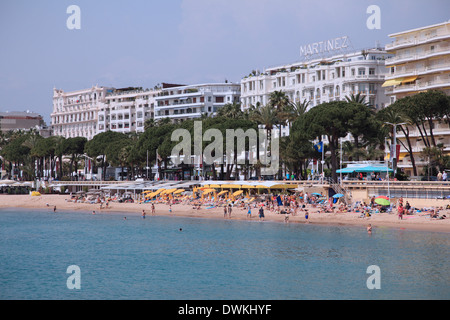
{"x": 145, "y": 42}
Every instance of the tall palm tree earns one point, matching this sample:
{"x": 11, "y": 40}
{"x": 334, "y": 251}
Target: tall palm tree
{"x": 295, "y": 110}
{"x": 268, "y": 117}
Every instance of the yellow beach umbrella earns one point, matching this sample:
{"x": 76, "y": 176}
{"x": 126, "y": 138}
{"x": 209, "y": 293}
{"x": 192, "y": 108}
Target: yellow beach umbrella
{"x": 238, "y": 193}
{"x": 222, "y": 192}
{"x": 168, "y": 191}
{"x": 179, "y": 191}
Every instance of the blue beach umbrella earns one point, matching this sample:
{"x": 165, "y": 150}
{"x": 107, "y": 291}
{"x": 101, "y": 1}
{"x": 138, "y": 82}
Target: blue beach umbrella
{"x": 338, "y": 195}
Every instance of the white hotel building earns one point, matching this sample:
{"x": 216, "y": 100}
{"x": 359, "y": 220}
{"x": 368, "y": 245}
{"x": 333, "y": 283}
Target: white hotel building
{"x": 179, "y": 102}
{"x": 321, "y": 80}
{"x": 85, "y": 113}
{"x": 421, "y": 63}
{"x": 75, "y": 114}
{"x": 126, "y": 110}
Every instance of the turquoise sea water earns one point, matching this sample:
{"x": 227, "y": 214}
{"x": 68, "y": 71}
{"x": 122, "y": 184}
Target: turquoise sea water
{"x": 213, "y": 259}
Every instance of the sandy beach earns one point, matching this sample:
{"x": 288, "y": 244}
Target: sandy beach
{"x": 417, "y": 221}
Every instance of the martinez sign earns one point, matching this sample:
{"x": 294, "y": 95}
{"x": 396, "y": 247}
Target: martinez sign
{"x": 324, "y": 46}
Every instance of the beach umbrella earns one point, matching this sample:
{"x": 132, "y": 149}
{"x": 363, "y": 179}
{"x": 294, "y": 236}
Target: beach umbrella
{"x": 382, "y": 197}
{"x": 238, "y": 193}
{"x": 338, "y": 195}
{"x": 316, "y": 194}
{"x": 382, "y": 202}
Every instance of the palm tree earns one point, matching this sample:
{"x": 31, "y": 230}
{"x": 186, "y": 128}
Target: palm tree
{"x": 295, "y": 110}
{"x": 279, "y": 100}
{"x": 358, "y": 98}
{"x": 268, "y": 117}
{"x": 231, "y": 110}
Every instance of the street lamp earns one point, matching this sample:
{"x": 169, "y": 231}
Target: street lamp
{"x": 394, "y": 163}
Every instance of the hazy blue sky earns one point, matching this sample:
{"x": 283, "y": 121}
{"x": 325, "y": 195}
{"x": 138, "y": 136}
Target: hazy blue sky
{"x": 145, "y": 42}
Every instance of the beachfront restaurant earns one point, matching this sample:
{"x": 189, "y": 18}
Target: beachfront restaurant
{"x": 353, "y": 170}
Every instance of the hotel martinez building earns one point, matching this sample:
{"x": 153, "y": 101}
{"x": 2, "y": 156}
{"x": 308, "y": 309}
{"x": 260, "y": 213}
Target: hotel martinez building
{"x": 420, "y": 62}
{"x": 321, "y": 79}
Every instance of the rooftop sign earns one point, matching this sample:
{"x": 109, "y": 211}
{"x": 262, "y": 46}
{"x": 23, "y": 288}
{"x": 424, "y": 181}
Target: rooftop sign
{"x": 324, "y": 47}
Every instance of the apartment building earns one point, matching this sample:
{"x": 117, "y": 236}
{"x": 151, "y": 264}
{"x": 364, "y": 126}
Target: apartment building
{"x": 126, "y": 109}
{"x": 181, "y": 102}
{"x": 420, "y": 62}
{"x": 321, "y": 80}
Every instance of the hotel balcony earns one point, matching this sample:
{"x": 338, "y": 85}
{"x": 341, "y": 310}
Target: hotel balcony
{"x": 411, "y": 71}
{"x": 180, "y": 106}
{"x": 368, "y": 77}
{"x": 398, "y": 59}
{"x": 423, "y": 85}
{"x": 179, "y": 115}
{"x": 404, "y": 43}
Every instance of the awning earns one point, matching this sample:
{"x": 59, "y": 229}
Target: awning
{"x": 409, "y": 79}
{"x": 400, "y": 157}
{"x": 373, "y": 169}
{"x": 393, "y": 82}
{"x": 346, "y": 170}
{"x": 364, "y": 169}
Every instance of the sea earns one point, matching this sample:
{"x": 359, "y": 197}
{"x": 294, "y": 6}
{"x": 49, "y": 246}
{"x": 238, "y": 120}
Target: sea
{"x": 81, "y": 256}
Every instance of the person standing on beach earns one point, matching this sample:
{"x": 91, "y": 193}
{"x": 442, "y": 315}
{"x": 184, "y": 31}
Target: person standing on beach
{"x": 249, "y": 212}
{"x": 400, "y": 211}
{"x": 229, "y": 211}
{"x": 54, "y": 209}
{"x": 153, "y": 209}
{"x": 369, "y": 228}
{"x": 306, "y": 215}
{"x": 143, "y": 214}
{"x": 261, "y": 213}
{"x": 225, "y": 211}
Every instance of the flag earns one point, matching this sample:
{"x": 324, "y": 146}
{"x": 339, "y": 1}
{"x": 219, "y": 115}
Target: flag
{"x": 319, "y": 146}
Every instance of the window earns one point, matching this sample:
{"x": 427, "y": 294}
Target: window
{"x": 371, "y": 71}
{"x": 361, "y": 71}
{"x": 219, "y": 99}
